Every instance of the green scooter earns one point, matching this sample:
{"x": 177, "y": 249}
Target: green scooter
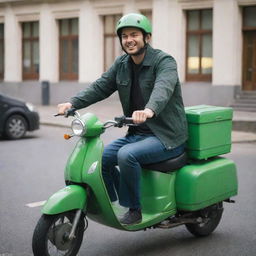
{"x": 179, "y": 191}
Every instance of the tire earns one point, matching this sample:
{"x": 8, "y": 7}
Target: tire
{"x": 15, "y": 127}
{"x": 51, "y": 232}
{"x": 212, "y": 216}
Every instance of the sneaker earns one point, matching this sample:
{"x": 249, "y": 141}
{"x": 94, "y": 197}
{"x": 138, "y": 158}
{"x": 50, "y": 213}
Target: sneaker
{"x": 131, "y": 217}
{"x": 118, "y": 209}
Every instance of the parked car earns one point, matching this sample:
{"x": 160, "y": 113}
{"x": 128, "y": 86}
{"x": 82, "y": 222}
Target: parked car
{"x": 16, "y": 118}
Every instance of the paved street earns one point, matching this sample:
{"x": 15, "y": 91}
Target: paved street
{"x": 32, "y": 169}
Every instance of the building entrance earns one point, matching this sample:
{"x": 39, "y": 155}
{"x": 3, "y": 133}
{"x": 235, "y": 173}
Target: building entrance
{"x": 249, "y": 61}
{"x": 249, "y": 48}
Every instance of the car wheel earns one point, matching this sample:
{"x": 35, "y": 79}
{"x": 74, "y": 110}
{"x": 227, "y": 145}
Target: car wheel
{"x": 15, "y": 127}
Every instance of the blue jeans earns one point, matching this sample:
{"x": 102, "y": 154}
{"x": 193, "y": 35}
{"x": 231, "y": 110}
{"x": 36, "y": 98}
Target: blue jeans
{"x": 129, "y": 153}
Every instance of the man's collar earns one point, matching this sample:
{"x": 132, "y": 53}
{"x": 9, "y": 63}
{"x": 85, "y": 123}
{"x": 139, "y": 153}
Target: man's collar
{"x": 148, "y": 59}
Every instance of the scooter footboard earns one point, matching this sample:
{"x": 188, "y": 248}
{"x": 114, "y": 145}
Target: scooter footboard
{"x": 203, "y": 183}
{"x": 67, "y": 199}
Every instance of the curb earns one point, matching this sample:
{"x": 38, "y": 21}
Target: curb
{"x": 55, "y": 125}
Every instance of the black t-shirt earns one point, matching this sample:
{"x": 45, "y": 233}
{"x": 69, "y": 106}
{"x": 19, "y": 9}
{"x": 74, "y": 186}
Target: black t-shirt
{"x": 137, "y": 101}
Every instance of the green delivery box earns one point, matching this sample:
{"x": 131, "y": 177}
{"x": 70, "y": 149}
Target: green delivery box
{"x": 209, "y": 131}
{"x": 204, "y": 183}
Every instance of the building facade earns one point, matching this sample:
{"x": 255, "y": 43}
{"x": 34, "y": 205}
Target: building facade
{"x": 70, "y": 43}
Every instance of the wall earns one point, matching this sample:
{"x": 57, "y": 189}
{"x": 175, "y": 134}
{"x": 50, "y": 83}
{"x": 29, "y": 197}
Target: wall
{"x": 169, "y": 34}
{"x": 193, "y": 93}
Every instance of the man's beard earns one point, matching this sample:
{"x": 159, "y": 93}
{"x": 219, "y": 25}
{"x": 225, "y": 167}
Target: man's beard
{"x": 139, "y": 52}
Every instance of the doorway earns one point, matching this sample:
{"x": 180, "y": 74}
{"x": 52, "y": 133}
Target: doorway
{"x": 249, "y": 61}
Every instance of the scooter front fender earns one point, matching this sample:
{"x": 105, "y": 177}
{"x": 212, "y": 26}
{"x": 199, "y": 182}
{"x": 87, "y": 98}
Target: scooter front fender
{"x": 67, "y": 199}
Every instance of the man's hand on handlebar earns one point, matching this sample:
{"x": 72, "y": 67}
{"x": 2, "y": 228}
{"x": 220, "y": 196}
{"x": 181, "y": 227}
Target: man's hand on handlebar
{"x": 63, "y": 107}
{"x": 140, "y": 116}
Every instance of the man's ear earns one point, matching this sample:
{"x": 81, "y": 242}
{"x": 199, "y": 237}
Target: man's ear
{"x": 148, "y": 38}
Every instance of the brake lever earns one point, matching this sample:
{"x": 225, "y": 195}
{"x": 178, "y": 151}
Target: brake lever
{"x": 58, "y": 114}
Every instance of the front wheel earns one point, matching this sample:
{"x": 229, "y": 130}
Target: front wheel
{"x": 211, "y": 217}
{"x": 51, "y": 234}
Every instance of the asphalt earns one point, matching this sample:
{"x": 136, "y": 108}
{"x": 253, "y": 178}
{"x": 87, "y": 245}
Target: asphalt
{"x": 244, "y": 123}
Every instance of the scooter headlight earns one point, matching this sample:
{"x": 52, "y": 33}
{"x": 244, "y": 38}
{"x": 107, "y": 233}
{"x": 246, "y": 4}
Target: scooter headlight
{"x": 78, "y": 127}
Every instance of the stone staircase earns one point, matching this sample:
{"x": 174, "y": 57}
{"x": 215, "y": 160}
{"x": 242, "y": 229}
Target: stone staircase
{"x": 245, "y": 101}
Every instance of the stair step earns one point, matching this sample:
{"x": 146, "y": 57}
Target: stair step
{"x": 248, "y": 92}
{"x": 244, "y": 109}
{"x": 244, "y": 106}
{"x": 246, "y": 101}
{"x": 252, "y": 97}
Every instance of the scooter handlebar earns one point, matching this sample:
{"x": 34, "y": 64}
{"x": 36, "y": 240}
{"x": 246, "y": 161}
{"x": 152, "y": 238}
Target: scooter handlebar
{"x": 119, "y": 121}
{"x": 123, "y": 120}
{"x": 70, "y": 112}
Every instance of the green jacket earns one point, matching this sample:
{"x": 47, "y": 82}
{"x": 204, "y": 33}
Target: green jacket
{"x": 160, "y": 88}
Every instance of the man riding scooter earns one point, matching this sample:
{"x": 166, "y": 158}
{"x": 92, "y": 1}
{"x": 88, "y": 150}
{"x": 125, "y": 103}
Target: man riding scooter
{"x": 149, "y": 90}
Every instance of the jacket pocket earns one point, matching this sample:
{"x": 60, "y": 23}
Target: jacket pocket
{"x": 120, "y": 82}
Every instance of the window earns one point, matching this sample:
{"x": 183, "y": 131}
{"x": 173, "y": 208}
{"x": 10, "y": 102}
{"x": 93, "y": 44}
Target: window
{"x": 30, "y": 50}
{"x": 112, "y": 47}
{"x": 69, "y": 48}
{"x": 199, "y": 45}
{"x": 1, "y": 51}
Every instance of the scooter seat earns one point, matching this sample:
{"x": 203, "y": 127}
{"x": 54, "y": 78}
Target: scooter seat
{"x": 169, "y": 165}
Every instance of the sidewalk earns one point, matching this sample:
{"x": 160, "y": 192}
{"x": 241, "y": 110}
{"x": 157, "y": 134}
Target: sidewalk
{"x": 111, "y": 108}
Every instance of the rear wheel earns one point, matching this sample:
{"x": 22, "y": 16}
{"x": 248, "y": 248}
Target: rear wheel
{"x": 15, "y": 127}
{"x": 51, "y": 235}
{"x": 211, "y": 217}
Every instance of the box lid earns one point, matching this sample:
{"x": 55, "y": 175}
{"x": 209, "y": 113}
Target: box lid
{"x": 208, "y": 113}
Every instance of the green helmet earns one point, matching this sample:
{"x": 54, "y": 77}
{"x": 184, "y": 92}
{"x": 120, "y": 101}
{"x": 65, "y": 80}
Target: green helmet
{"x": 134, "y": 20}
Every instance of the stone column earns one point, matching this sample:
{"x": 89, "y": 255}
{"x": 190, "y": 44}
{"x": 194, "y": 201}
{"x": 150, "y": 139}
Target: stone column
{"x": 169, "y": 31}
{"x": 160, "y": 24}
{"x": 227, "y": 43}
{"x": 90, "y": 43}
{"x": 130, "y": 7}
{"x": 13, "y": 51}
{"x": 177, "y": 36}
{"x": 49, "y": 54}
